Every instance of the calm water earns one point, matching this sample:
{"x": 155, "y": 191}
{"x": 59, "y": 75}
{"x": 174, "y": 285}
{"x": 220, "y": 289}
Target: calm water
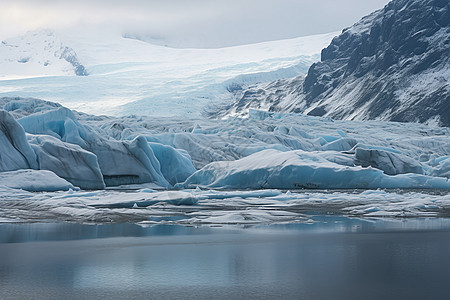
{"x": 334, "y": 258}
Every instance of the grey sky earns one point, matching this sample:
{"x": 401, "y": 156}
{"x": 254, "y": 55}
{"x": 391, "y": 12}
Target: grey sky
{"x": 195, "y": 23}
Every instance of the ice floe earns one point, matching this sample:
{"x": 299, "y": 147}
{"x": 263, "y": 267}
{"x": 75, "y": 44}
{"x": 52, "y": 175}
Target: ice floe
{"x": 212, "y": 207}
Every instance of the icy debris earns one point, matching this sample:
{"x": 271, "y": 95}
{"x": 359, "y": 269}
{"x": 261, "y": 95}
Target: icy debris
{"x": 133, "y": 200}
{"x": 215, "y": 207}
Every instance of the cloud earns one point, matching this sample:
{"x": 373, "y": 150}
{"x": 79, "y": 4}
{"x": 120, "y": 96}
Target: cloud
{"x": 202, "y": 23}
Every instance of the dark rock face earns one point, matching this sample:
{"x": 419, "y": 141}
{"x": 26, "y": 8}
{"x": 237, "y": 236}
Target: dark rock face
{"x": 392, "y": 65}
{"x": 70, "y": 56}
{"x": 388, "y": 52}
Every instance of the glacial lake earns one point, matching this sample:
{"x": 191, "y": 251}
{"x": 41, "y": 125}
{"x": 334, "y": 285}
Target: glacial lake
{"x": 333, "y": 257}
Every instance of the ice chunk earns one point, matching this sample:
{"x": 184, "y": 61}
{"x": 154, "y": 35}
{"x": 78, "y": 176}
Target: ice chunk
{"x": 300, "y": 169}
{"x": 246, "y": 217}
{"x": 159, "y": 150}
{"x": 343, "y": 144}
{"x": 121, "y": 162}
{"x": 144, "y": 154}
{"x": 68, "y": 161}
{"x": 34, "y": 181}
{"x": 176, "y": 165}
{"x": 60, "y": 123}
{"x": 443, "y": 167}
{"x": 133, "y": 200}
{"x": 390, "y": 163}
{"x": 15, "y": 152}
{"x": 21, "y": 107}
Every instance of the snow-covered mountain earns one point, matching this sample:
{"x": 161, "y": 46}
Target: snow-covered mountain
{"x": 38, "y": 53}
{"x": 128, "y": 76}
{"x": 392, "y": 65}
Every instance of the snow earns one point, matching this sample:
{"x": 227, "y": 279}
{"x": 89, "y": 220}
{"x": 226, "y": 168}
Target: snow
{"x": 35, "y": 54}
{"x": 134, "y": 77}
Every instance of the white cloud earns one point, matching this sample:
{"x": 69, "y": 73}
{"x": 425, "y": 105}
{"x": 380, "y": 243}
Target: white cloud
{"x": 207, "y": 23}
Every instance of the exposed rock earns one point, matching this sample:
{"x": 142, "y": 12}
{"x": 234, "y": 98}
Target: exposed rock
{"x": 392, "y": 65}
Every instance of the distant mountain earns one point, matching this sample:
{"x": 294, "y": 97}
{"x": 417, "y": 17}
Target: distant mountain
{"x": 392, "y": 65}
{"x": 38, "y": 53}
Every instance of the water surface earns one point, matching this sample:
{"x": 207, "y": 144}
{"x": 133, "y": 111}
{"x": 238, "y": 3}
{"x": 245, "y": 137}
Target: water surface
{"x": 332, "y": 258}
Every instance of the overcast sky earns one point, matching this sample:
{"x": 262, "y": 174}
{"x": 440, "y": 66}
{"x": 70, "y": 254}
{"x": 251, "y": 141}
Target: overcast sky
{"x": 194, "y": 23}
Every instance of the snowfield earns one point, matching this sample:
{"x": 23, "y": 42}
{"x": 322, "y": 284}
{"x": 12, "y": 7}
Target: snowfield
{"x": 278, "y": 159}
{"x": 127, "y": 76}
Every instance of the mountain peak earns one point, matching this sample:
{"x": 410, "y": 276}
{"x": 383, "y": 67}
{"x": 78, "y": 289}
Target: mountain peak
{"x": 38, "y": 53}
{"x": 393, "y": 64}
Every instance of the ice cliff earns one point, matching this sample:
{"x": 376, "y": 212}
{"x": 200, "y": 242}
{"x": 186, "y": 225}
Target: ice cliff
{"x": 58, "y": 142}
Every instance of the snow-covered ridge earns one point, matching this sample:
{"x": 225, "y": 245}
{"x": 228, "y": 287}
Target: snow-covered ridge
{"x": 38, "y": 53}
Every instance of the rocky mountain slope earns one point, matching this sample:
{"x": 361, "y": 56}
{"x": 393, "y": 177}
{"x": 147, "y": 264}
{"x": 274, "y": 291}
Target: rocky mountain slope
{"x": 392, "y": 65}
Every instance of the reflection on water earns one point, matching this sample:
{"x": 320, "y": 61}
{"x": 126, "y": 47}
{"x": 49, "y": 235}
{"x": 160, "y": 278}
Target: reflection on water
{"x": 32, "y": 232}
{"x": 336, "y": 258}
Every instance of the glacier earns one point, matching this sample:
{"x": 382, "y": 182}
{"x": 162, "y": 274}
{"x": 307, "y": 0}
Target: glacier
{"x": 265, "y": 150}
{"x": 135, "y": 77}
{"x": 266, "y": 168}
{"x": 151, "y": 157}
